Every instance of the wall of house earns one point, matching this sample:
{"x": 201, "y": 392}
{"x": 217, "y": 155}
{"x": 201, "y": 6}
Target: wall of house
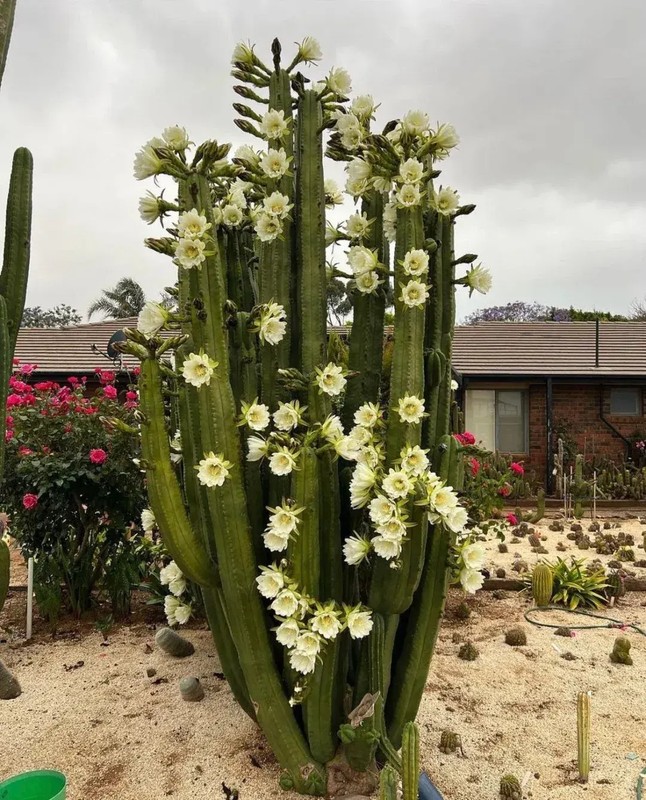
{"x": 576, "y": 413}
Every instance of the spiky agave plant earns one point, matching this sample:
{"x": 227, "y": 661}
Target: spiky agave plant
{"x": 319, "y": 517}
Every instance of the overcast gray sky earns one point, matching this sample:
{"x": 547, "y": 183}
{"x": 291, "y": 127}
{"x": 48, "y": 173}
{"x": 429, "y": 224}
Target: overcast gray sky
{"x": 548, "y": 96}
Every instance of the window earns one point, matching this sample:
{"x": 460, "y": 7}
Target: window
{"x": 626, "y": 402}
{"x": 498, "y": 418}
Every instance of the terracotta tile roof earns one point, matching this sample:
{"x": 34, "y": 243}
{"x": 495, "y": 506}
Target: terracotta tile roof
{"x": 68, "y": 351}
{"x": 490, "y": 348}
{"x": 551, "y": 348}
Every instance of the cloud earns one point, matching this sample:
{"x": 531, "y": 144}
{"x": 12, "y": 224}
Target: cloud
{"x": 546, "y": 95}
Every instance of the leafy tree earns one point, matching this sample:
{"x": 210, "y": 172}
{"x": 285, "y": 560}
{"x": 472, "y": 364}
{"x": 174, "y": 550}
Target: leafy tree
{"x": 519, "y": 311}
{"x": 60, "y": 316}
{"x": 125, "y": 300}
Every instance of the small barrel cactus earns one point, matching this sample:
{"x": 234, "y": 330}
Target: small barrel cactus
{"x": 463, "y": 611}
{"x": 621, "y": 651}
{"x": 173, "y": 644}
{"x": 625, "y": 554}
{"x": 468, "y": 652}
{"x": 510, "y": 788}
{"x": 449, "y": 741}
{"x": 516, "y": 637}
{"x": 501, "y": 573}
{"x": 616, "y": 587}
{"x": 542, "y": 584}
{"x": 502, "y": 548}
{"x": 534, "y": 539}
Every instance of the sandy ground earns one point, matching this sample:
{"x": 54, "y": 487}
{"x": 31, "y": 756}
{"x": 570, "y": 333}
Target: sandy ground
{"x": 118, "y": 734}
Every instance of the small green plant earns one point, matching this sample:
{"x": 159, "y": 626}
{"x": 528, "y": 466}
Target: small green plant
{"x": 576, "y": 585}
{"x": 449, "y": 741}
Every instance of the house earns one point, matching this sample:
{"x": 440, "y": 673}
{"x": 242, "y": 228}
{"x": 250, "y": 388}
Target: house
{"x": 79, "y": 350}
{"x": 520, "y": 384}
{"x": 523, "y": 384}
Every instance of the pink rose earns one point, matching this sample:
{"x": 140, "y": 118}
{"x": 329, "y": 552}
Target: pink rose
{"x": 30, "y": 501}
{"x": 517, "y": 468}
{"x": 512, "y": 519}
{"x": 27, "y": 369}
{"x": 98, "y": 456}
{"x": 110, "y": 392}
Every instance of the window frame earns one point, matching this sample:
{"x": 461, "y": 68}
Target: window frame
{"x": 639, "y": 401}
{"x": 524, "y": 391}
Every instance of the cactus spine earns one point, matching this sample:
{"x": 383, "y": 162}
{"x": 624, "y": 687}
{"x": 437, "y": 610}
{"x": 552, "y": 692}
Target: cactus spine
{"x": 583, "y": 734}
{"x": 270, "y": 418}
{"x": 542, "y": 584}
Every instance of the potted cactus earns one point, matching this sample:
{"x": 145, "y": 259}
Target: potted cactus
{"x": 319, "y": 515}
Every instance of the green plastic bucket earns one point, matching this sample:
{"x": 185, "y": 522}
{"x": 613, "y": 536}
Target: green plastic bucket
{"x": 41, "y": 784}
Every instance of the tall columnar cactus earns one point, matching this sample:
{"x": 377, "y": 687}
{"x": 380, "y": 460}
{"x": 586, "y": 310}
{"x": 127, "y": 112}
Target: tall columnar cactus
{"x": 15, "y": 264}
{"x": 319, "y": 514}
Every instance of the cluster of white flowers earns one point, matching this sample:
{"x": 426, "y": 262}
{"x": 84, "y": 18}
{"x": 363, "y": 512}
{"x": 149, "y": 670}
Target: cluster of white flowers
{"x": 470, "y": 558}
{"x": 282, "y": 526}
{"x": 192, "y": 229}
{"x": 306, "y": 625}
{"x": 364, "y": 264}
{"x": 390, "y": 491}
{"x": 177, "y": 611}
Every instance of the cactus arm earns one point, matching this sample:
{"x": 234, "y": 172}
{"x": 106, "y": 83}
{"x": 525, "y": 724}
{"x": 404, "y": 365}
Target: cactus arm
{"x": 7, "y": 12}
{"x": 447, "y": 323}
{"x": 435, "y": 361}
{"x": 388, "y": 782}
{"x": 303, "y": 552}
{"x": 6, "y": 354}
{"x": 411, "y": 666}
{"x": 227, "y": 652}
{"x": 321, "y": 708}
{"x": 391, "y": 591}
{"x": 367, "y": 331}
{"x": 583, "y": 734}
{"x": 410, "y": 761}
{"x": 311, "y": 233}
{"x": 231, "y": 530}
{"x": 166, "y": 501}
{"x": 13, "y": 278}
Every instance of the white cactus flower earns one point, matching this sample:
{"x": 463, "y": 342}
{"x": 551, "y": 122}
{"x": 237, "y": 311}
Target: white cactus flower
{"x": 415, "y": 263}
{"x": 302, "y": 662}
{"x": 415, "y": 122}
{"x": 397, "y": 484}
{"x": 255, "y": 415}
{"x": 198, "y": 369}
{"x": 410, "y": 409}
{"x": 190, "y": 253}
{"x": 192, "y": 224}
{"x": 367, "y": 282}
{"x": 355, "y": 549}
{"x": 363, "y": 106}
{"x": 147, "y": 162}
{"x": 213, "y": 470}
{"x": 286, "y": 603}
{"x": 359, "y": 622}
{"x": 309, "y": 50}
{"x": 331, "y": 379}
{"x": 270, "y": 582}
{"x": 176, "y": 137}
{"x": 152, "y": 319}
{"x": 274, "y": 163}
{"x": 173, "y": 577}
{"x": 411, "y": 171}
{"x": 414, "y": 294}
{"x": 257, "y": 448}
{"x": 339, "y": 81}
{"x": 273, "y": 124}
{"x": 287, "y": 632}
{"x": 408, "y": 195}
{"x": 471, "y": 580}
{"x": 282, "y": 462}
{"x": 445, "y": 201}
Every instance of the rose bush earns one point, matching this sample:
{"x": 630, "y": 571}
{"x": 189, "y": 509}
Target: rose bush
{"x": 73, "y": 488}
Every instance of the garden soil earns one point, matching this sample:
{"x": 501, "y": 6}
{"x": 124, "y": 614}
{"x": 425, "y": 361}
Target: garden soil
{"x": 92, "y": 710}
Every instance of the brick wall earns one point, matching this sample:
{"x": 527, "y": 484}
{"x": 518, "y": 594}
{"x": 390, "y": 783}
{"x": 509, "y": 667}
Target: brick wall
{"x": 577, "y": 408}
